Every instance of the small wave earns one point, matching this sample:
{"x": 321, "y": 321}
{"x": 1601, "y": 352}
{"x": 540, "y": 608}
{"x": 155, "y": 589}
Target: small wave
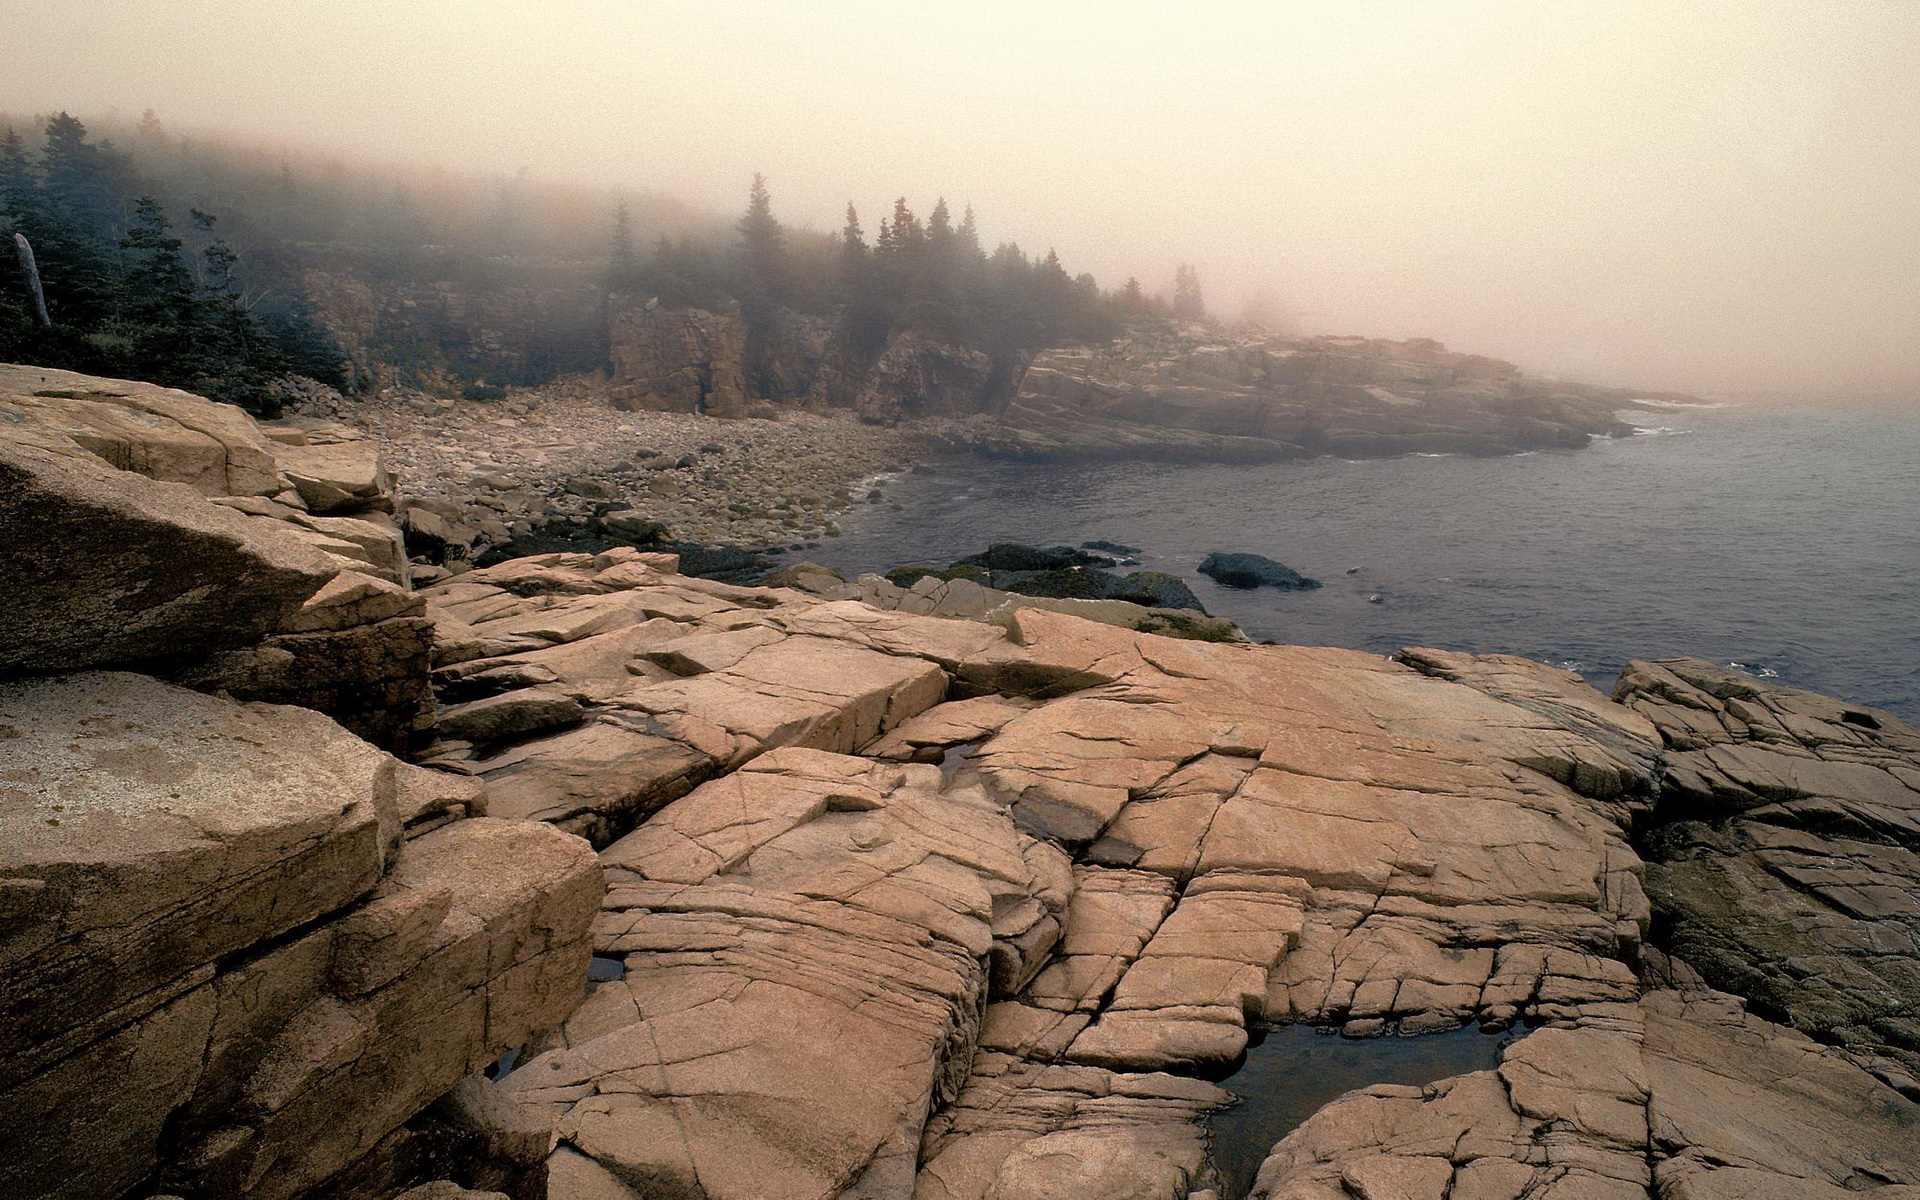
{"x": 1684, "y": 404}
{"x": 1658, "y": 430}
{"x": 1757, "y": 672}
{"x": 1420, "y": 454}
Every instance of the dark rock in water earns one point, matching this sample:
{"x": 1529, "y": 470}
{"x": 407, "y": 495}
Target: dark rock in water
{"x": 1068, "y": 583}
{"x": 1110, "y": 547}
{"x": 906, "y": 577}
{"x": 1058, "y": 573}
{"x": 1012, "y": 556}
{"x": 1155, "y": 589}
{"x": 1252, "y": 571}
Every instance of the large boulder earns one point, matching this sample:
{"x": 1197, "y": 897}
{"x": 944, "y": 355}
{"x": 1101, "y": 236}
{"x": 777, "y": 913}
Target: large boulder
{"x": 113, "y": 568}
{"x": 162, "y": 433}
{"x": 156, "y": 529}
{"x": 1253, "y": 571}
{"x": 221, "y": 966}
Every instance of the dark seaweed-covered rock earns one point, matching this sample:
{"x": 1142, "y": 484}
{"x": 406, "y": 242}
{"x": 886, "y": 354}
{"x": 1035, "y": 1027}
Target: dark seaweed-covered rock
{"x": 1058, "y": 573}
{"x": 1155, "y": 589}
{"x": 1012, "y": 556}
{"x": 1110, "y": 547}
{"x": 728, "y": 564}
{"x": 1252, "y": 571}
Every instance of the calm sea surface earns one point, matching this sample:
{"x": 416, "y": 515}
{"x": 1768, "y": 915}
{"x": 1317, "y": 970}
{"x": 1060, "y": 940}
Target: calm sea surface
{"x": 1785, "y": 541}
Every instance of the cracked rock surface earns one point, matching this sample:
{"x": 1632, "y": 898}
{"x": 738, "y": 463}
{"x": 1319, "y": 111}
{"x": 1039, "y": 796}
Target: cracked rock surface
{"x": 920, "y": 907}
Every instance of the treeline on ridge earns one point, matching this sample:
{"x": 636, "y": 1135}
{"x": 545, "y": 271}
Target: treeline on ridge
{"x": 350, "y": 273}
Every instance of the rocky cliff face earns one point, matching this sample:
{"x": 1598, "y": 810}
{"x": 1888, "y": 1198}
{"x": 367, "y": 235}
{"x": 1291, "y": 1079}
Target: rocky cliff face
{"x": 440, "y": 333}
{"x": 886, "y": 904}
{"x": 691, "y": 360}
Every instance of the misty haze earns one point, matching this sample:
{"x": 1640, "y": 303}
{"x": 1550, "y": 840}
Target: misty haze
{"x": 1067, "y": 601}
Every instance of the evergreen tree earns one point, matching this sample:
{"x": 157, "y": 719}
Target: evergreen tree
{"x": 157, "y": 295}
{"x": 1187, "y": 302}
{"x": 853, "y": 242}
{"x": 71, "y": 221}
{"x": 762, "y": 246}
{"x": 968, "y": 235}
{"x": 623, "y": 267}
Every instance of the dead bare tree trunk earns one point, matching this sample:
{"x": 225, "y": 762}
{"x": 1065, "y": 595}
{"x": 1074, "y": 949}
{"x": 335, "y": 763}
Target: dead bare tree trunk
{"x": 32, "y": 270}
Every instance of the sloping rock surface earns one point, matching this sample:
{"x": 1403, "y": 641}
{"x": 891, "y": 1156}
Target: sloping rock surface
{"x": 152, "y": 528}
{"x": 1789, "y": 867}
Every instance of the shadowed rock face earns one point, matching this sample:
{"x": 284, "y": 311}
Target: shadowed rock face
{"x": 849, "y": 970}
{"x": 111, "y": 568}
{"x": 1790, "y": 871}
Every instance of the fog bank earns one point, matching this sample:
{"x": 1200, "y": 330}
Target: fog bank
{"x": 1720, "y": 197}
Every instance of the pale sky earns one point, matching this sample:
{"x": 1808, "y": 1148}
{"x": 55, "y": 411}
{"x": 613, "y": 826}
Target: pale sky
{"x": 1664, "y": 193}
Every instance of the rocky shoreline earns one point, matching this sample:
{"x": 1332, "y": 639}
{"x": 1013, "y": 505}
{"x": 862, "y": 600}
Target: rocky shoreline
{"x": 554, "y": 460}
{"x": 634, "y": 884}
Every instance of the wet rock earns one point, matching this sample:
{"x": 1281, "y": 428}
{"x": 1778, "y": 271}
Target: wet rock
{"x": 1253, "y": 571}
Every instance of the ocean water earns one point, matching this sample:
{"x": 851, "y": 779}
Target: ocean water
{"x": 1785, "y": 540}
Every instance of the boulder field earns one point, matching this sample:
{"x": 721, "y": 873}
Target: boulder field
{"x": 771, "y": 893}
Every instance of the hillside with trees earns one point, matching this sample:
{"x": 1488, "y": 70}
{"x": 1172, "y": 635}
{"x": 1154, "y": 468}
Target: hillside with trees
{"x": 222, "y": 268}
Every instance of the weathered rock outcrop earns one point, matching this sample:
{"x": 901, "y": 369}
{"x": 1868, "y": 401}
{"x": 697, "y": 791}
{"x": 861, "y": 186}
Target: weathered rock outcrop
{"x": 956, "y": 910}
{"x": 222, "y": 969}
{"x": 160, "y": 530}
{"x": 1681, "y": 1095}
{"x": 680, "y": 360}
{"x": 1787, "y": 868}
{"x": 919, "y": 376}
{"x": 694, "y": 361}
{"x": 886, "y": 904}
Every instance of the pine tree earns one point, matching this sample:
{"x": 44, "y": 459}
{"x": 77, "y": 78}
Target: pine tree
{"x": 1187, "y": 302}
{"x": 71, "y": 219}
{"x": 762, "y": 246}
{"x": 623, "y": 267}
{"x": 853, "y": 240}
{"x": 968, "y": 234}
